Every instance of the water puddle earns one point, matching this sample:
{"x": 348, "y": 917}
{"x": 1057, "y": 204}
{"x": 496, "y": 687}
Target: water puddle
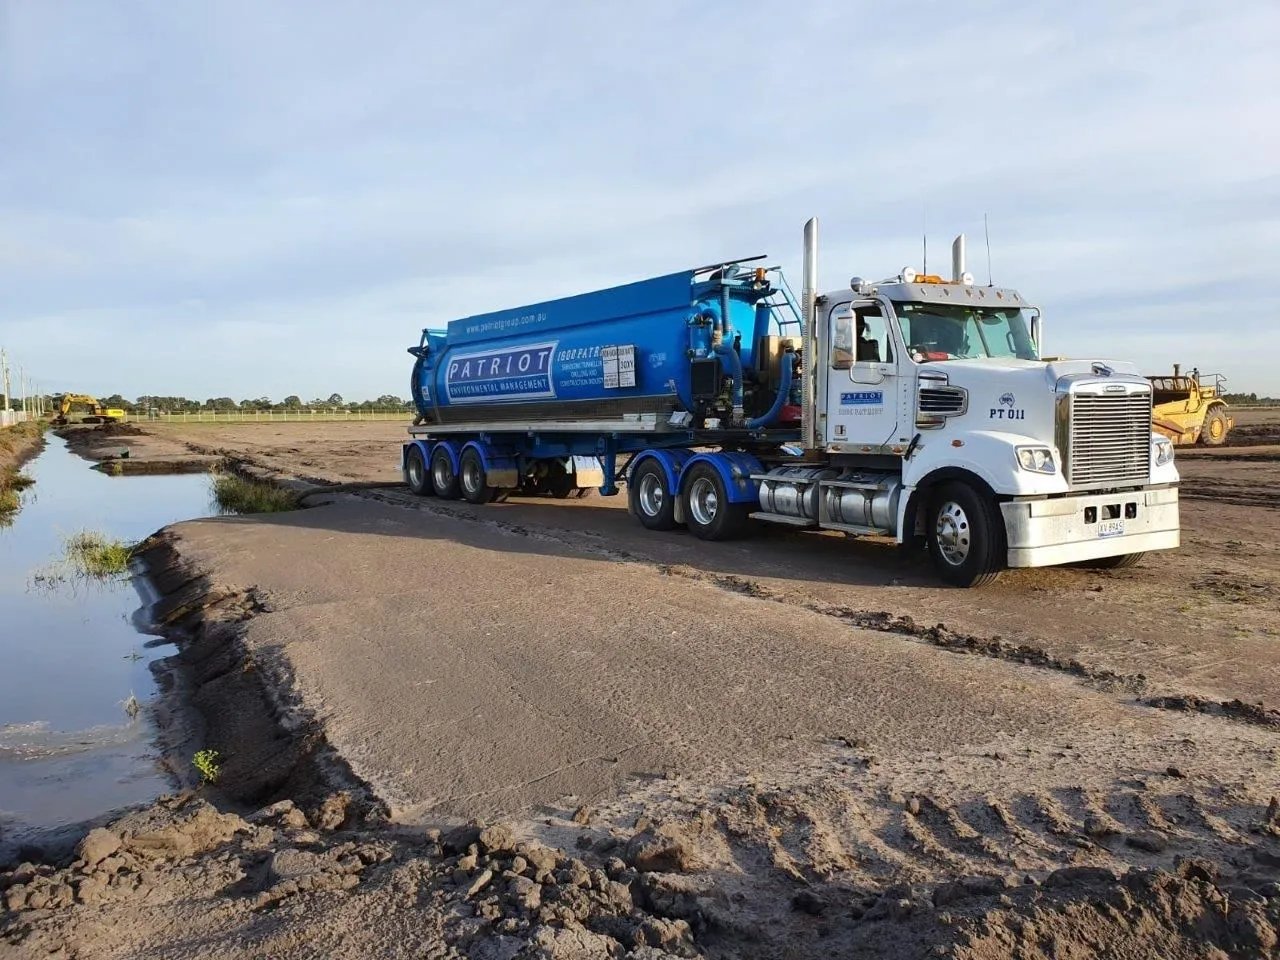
{"x": 70, "y": 654}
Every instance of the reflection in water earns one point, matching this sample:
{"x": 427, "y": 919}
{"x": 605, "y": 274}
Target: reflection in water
{"x": 72, "y": 657}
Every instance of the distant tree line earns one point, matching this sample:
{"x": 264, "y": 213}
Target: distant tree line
{"x": 1250, "y": 399}
{"x": 292, "y": 402}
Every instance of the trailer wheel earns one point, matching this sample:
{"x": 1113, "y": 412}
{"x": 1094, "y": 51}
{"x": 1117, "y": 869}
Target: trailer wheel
{"x": 442, "y": 475}
{"x": 415, "y": 473}
{"x": 473, "y": 481}
{"x": 1213, "y": 433}
{"x": 965, "y": 536}
{"x": 650, "y": 502}
{"x": 708, "y": 513}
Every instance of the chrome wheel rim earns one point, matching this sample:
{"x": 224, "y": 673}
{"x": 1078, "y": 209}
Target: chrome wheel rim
{"x": 416, "y": 470}
{"x": 441, "y": 472}
{"x": 953, "y": 533}
{"x": 652, "y": 496}
{"x": 472, "y": 476}
{"x": 704, "y": 501}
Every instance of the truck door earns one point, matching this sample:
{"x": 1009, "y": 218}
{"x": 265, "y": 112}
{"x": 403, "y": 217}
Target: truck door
{"x": 862, "y": 378}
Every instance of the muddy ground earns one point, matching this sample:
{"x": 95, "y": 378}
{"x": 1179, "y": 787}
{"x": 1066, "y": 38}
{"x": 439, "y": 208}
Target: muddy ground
{"x": 795, "y": 745}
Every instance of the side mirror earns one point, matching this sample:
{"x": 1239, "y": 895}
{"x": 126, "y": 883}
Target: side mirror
{"x": 1035, "y": 330}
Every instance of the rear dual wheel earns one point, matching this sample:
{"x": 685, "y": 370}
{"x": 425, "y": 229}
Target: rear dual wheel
{"x": 650, "y": 502}
{"x": 707, "y": 511}
{"x": 473, "y": 480}
{"x": 416, "y": 474}
{"x": 443, "y": 477}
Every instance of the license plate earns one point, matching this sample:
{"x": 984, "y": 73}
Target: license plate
{"x": 1111, "y": 528}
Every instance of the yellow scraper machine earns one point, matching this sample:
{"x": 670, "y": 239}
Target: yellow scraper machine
{"x": 1189, "y": 408}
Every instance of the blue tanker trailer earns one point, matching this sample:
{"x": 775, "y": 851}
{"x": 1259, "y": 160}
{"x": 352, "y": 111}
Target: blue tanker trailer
{"x": 916, "y": 407}
{"x": 549, "y": 397}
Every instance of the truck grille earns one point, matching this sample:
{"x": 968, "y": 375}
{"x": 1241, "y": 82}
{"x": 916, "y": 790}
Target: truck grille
{"x": 942, "y": 400}
{"x": 1110, "y": 439}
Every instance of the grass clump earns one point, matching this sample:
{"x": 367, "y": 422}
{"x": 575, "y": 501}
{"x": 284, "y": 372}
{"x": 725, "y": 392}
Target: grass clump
{"x": 209, "y": 763}
{"x": 15, "y": 441}
{"x": 94, "y": 555}
{"x": 236, "y": 494}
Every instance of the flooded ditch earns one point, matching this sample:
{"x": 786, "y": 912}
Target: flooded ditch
{"x": 73, "y": 648}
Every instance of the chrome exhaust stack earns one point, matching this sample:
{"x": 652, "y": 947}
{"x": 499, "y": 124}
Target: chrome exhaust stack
{"x": 808, "y": 348}
{"x": 957, "y": 259}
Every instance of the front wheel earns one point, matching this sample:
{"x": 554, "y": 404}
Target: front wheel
{"x": 708, "y": 513}
{"x": 650, "y": 502}
{"x": 965, "y": 536}
{"x": 1114, "y": 563}
{"x": 1214, "y": 431}
{"x": 442, "y": 475}
{"x": 415, "y": 473}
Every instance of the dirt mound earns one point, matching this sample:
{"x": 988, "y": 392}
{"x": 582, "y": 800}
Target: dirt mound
{"x": 1083, "y": 912}
{"x": 1253, "y": 435}
{"x": 275, "y": 883}
{"x": 119, "y": 430}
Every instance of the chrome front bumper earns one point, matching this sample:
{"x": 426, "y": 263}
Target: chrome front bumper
{"x": 1041, "y": 533}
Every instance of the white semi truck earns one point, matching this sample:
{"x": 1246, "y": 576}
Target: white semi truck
{"x": 915, "y": 407}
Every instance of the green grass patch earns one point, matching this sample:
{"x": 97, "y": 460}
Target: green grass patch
{"x": 9, "y": 500}
{"x": 20, "y": 481}
{"x": 94, "y": 555}
{"x": 236, "y": 494}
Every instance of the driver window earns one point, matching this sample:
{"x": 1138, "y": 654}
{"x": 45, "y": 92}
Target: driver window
{"x": 871, "y": 337}
{"x": 859, "y": 337}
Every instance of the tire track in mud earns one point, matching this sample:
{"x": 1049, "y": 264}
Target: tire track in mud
{"x": 939, "y": 635}
{"x": 883, "y": 846}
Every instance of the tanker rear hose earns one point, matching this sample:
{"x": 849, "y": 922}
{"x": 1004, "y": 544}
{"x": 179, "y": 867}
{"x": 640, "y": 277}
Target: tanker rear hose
{"x": 784, "y": 388}
{"x": 735, "y": 364}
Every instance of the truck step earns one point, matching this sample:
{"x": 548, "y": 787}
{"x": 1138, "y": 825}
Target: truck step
{"x": 780, "y": 518}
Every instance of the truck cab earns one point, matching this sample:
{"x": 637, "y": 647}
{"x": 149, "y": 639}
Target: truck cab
{"x": 935, "y": 418}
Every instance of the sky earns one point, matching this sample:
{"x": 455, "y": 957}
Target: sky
{"x": 249, "y": 199}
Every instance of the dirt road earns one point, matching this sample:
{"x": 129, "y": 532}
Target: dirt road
{"x": 1202, "y": 621}
{"x": 768, "y": 747}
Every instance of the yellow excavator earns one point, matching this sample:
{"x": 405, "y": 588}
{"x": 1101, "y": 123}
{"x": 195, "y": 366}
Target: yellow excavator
{"x": 97, "y": 412}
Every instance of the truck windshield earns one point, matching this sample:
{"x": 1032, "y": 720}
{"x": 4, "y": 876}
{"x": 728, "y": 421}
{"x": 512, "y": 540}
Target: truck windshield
{"x": 939, "y": 331}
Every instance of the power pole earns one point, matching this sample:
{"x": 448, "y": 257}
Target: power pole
{"x": 4, "y": 372}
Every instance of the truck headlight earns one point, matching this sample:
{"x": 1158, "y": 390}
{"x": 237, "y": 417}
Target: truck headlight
{"x": 1163, "y": 451}
{"x": 1036, "y": 459}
